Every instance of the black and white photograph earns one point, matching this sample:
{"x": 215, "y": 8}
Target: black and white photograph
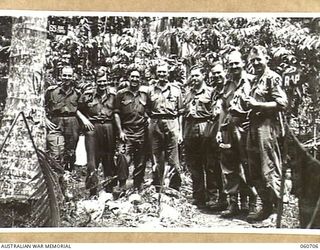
{"x": 148, "y": 121}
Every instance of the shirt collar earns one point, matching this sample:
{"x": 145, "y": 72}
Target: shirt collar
{"x": 263, "y": 76}
{"x": 219, "y": 89}
{"x": 243, "y": 77}
{"x": 200, "y": 91}
{"x": 266, "y": 72}
{"x": 127, "y": 89}
{"x": 164, "y": 88}
{"x": 67, "y": 92}
{"x": 98, "y": 95}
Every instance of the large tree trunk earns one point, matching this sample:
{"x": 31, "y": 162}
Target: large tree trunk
{"x": 25, "y": 83}
{"x": 25, "y": 196}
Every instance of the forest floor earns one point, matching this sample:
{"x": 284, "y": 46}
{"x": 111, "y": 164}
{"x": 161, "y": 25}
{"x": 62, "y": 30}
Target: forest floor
{"x": 148, "y": 209}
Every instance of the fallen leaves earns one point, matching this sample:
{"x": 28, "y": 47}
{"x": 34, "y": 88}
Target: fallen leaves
{"x": 133, "y": 209}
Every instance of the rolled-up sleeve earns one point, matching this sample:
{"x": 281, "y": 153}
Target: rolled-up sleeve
{"x": 181, "y": 109}
{"x": 278, "y": 94}
{"x": 117, "y": 103}
{"x": 83, "y": 100}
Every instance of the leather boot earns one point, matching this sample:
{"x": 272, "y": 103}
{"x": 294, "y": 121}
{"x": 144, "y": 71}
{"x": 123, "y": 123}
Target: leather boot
{"x": 244, "y": 206}
{"x": 252, "y": 206}
{"x": 212, "y": 199}
{"x": 220, "y": 205}
{"x": 199, "y": 203}
{"x": 267, "y": 208}
{"x": 122, "y": 184}
{"x": 261, "y": 215}
{"x": 233, "y": 208}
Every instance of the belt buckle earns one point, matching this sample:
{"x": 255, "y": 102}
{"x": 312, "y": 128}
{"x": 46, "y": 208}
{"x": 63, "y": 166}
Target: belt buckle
{"x": 225, "y": 145}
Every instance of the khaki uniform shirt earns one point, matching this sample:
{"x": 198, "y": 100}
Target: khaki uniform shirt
{"x": 96, "y": 107}
{"x": 164, "y": 101}
{"x": 131, "y": 107}
{"x": 61, "y": 103}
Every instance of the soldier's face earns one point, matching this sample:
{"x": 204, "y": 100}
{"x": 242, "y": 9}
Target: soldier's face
{"x": 162, "y": 73}
{"x": 217, "y": 75}
{"x": 134, "y": 78}
{"x": 259, "y": 63}
{"x": 67, "y": 76}
{"x": 197, "y": 78}
{"x": 235, "y": 64}
{"x": 102, "y": 83}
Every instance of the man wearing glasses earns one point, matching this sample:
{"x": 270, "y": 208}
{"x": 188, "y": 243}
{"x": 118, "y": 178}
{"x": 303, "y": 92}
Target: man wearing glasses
{"x": 131, "y": 118}
{"x": 61, "y": 104}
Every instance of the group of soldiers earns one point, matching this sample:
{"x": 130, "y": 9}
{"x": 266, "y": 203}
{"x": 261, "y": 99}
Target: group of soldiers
{"x": 227, "y": 120}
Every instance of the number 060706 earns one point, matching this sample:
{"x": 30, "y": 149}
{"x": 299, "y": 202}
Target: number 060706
{"x": 309, "y": 245}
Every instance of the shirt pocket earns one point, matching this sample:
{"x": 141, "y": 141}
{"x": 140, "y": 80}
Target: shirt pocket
{"x": 140, "y": 105}
{"x": 261, "y": 92}
{"x": 204, "y": 104}
{"x": 126, "y": 102}
{"x": 154, "y": 97}
{"x": 142, "y": 101}
{"x": 92, "y": 104}
{"x": 74, "y": 102}
{"x": 172, "y": 102}
{"x": 126, "y": 105}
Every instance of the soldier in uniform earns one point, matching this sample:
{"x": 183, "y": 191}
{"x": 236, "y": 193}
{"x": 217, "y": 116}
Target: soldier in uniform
{"x": 232, "y": 136}
{"x": 197, "y": 113}
{"x": 133, "y": 123}
{"x": 217, "y": 80}
{"x": 97, "y": 105}
{"x": 265, "y": 100}
{"x": 164, "y": 104}
{"x": 61, "y": 104}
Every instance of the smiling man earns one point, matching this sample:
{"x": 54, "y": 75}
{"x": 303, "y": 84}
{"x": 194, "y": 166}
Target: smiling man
{"x": 266, "y": 99}
{"x": 97, "y": 106}
{"x": 197, "y": 113}
{"x": 217, "y": 80}
{"x": 233, "y": 135}
{"x": 61, "y": 104}
{"x": 164, "y": 104}
{"x": 131, "y": 119}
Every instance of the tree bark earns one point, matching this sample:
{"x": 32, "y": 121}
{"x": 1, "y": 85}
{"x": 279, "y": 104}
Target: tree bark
{"x": 25, "y": 84}
{"x": 20, "y": 171}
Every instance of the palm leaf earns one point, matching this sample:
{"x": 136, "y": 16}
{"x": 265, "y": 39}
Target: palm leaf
{"x": 33, "y": 198}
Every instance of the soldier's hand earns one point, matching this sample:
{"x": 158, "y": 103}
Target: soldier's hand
{"x": 251, "y": 102}
{"x": 123, "y": 136}
{"x": 86, "y": 122}
{"x": 50, "y": 125}
{"x": 88, "y": 125}
{"x": 219, "y": 137}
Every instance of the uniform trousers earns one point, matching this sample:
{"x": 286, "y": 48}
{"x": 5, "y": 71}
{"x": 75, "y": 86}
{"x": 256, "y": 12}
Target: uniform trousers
{"x": 234, "y": 163}
{"x": 265, "y": 159}
{"x": 62, "y": 142}
{"x": 100, "y": 147}
{"x": 133, "y": 150}
{"x": 202, "y": 160}
{"x": 163, "y": 134}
